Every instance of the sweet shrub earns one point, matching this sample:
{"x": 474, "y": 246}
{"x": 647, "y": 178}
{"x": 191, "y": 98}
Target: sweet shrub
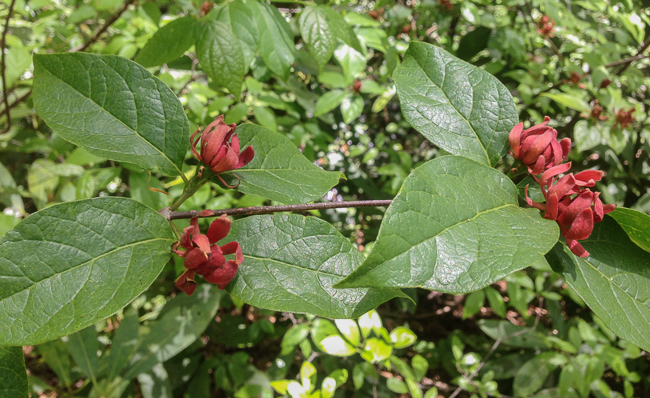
{"x": 390, "y": 128}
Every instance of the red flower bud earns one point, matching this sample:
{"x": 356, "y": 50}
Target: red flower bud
{"x": 220, "y": 147}
{"x": 538, "y": 147}
{"x": 624, "y": 118}
{"x": 204, "y": 257}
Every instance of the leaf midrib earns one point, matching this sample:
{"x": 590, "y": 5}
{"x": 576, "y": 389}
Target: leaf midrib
{"x": 115, "y": 117}
{"x": 487, "y": 156}
{"x": 84, "y": 264}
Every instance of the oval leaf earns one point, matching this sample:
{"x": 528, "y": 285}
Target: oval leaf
{"x": 276, "y": 39}
{"x": 73, "y": 264}
{"x": 112, "y": 107}
{"x": 454, "y": 227}
{"x": 241, "y": 20}
{"x": 614, "y": 280}
{"x": 221, "y": 56}
{"x": 635, "y": 224}
{"x": 279, "y": 171}
{"x": 457, "y": 106}
{"x": 291, "y": 263}
{"x": 13, "y": 376}
{"x": 317, "y": 33}
{"x": 169, "y": 42}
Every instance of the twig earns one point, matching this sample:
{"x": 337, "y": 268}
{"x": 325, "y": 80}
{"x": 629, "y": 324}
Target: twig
{"x": 105, "y": 27}
{"x": 247, "y": 211}
{"x": 16, "y": 102}
{"x": 640, "y": 51}
{"x": 627, "y": 60}
{"x": 4, "y": 78}
{"x": 480, "y": 366}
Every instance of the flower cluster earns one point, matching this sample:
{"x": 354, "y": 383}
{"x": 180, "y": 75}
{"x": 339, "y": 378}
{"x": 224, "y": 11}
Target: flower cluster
{"x": 204, "y": 257}
{"x": 569, "y": 201}
{"x": 545, "y": 26}
{"x": 624, "y": 118}
{"x": 220, "y": 147}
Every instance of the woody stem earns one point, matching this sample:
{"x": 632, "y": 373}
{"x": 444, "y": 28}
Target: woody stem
{"x": 247, "y": 211}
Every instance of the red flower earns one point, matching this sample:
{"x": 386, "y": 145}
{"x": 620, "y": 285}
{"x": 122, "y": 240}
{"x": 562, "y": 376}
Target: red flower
{"x": 596, "y": 112}
{"x": 538, "y": 147}
{"x": 447, "y": 4}
{"x": 624, "y": 118}
{"x": 204, "y": 257}
{"x": 545, "y": 26}
{"x": 218, "y": 151}
{"x": 571, "y": 204}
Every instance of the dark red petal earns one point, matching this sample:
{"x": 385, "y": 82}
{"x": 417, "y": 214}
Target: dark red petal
{"x": 599, "y": 212}
{"x": 233, "y": 247}
{"x": 234, "y": 143}
{"x": 227, "y": 163}
{"x": 608, "y": 208}
{"x": 219, "y": 229}
{"x": 193, "y": 144}
{"x": 578, "y": 204}
{"x": 195, "y": 258}
{"x": 582, "y": 225}
{"x": 565, "y": 144}
{"x": 551, "y": 207}
{"x": 186, "y": 283}
{"x": 539, "y": 166}
{"x": 194, "y": 223}
{"x": 557, "y": 153}
{"x": 556, "y": 170}
{"x": 538, "y": 127}
{"x": 202, "y": 242}
{"x": 246, "y": 157}
{"x": 223, "y": 275}
{"x": 180, "y": 253}
{"x": 564, "y": 185}
{"x": 216, "y": 261}
{"x": 588, "y": 178}
{"x": 514, "y": 137}
{"x": 537, "y": 147}
{"x": 186, "y": 239}
{"x": 576, "y": 248}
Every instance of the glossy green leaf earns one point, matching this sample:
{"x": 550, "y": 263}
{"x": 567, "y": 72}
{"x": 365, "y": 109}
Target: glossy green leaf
{"x": 169, "y": 42}
{"x": 570, "y": 101}
{"x": 155, "y": 383}
{"x": 290, "y": 264}
{"x": 420, "y": 366}
{"x": 73, "y": 264}
{"x": 279, "y": 171}
{"x": 614, "y": 280}
{"x": 276, "y": 39}
{"x": 55, "y": 354}
{"x": 456, "y": 227}
{"x": 352, "y": 62}
{"x": 457, "y": 106}
{"x": 341, "y": 29}
{"x": 402, "y": 337}
{"x": 327, "y": 338}
{"x": 241, "y": 19}
{"x": 351, "y": 108}
{"x": 349, "y": 330}
{"x": 265, "y": 117}
{"x": 512, "y": 335}
{"x": 13, "y": 376}
{"x": 112, "y": 107}
{"x": 180, "y": 323}
{"x": 317, "y": 33}
{"x": 221, "y": 56}
{"x": 83, "y": 347}
{"x": 397, "y": 386}
{"x": 635, "y": 224}
{"x": 376, "y": 350}
{"x": 328, "y": 101}
{"x": 532, "y": 375}
{"x": 123, "y": 345}
{"x": 496, "y": 301}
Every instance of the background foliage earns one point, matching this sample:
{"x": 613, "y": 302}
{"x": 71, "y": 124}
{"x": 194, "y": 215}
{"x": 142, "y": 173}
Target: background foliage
{"x": 321, "y": 76}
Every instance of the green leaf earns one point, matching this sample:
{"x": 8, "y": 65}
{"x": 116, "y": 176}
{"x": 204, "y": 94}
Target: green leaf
{"x": 13, "y": 376}
{"x": 221, "y": 56}
{"x": 532, "y": 375}
{"x": 341, "y": 29}
{"x": 276, "y": 39}
{"x": 420, "y": 366}
{"x": 455, "y": 227}
{"x": 614, "y": 280}
{"x": 568, "y": 100}
{"x": 352, "y": 62}
{"x": 473, "y": 303}
{"x": 327, "y": 339}
{"x": 635, "y": 224}
{"x": 265, "y": 117}
{"x": 402, "y": 337}
{"x": 376, "y": 350}
{"x": 180, "y": 323}
{"x": 586, "y": 137}
{"x": 473, "y": 43}
{"x": 328, "y": 101}
{"x": 351, "y": 108}
{"x": 123, "y": 345}
{"x": 73, "y": 264}
{"x": 112, "y": 107}
{"x": 349, "y": 330}
{"x": 138, "y": 183}
{"x": 512, "y": 335}
{"x": 290, "y": 264}
{"x": 279, "y": 171}
{"x": 295, "y": 335}
{"x": 56, "y": 356}
{"x": 155, "y": 383}
{"x": 317, "y": 33}
{"x": 241, "y": 20}
{"x": 397, "y": 386}
{"x": 169, "y": 42}
{"x": 83, "y": 347}
{"x": 462, "y": 109}
{"x": 496, "y": 301}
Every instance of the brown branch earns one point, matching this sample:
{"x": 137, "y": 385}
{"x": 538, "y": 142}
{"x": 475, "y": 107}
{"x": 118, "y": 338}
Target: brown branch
{"x": 104, "y": 27}
{"x": 628, "y": 61}
{"x": 16, "y": 102}
{"x": 247, "y": 211}
{"x": 4, "y": 78}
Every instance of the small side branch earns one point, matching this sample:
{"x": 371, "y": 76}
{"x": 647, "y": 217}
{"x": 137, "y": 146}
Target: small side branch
{"x": 628, "y": 61}
{"x": 3, "y": 45}
{"x": 104, "y": 27}
{"x": 247, "y": 211}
